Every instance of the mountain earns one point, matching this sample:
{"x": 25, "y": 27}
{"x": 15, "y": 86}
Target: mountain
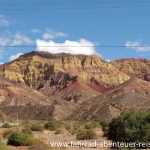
{"x": 36, "y": 66}
{"x": 65, "y": 86}
{"x": 134, "y": 94}
{"x": 53, "y": 73}
{"x": 134, "y": 67}
{"x": 17, "y": 99}
{"x": 68, "y": 79}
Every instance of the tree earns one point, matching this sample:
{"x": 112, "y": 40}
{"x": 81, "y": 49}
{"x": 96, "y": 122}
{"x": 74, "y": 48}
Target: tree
{"x": 131, "y": 126}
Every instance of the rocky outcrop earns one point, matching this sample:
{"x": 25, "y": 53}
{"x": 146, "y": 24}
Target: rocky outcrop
{"x": 36, "y": 67}
{"x": 134, "y": 67}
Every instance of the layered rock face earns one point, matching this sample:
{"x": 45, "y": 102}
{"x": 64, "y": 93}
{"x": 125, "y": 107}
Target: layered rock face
{"x": 61, "y": 69}
{"x": 134, "y": 67}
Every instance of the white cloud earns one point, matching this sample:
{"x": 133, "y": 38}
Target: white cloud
{"x": 4, "y": 21}
{"x": 16, "y": 39}
{"x": 35, "y": 31}
{"x": 82, "y": 46}
{"x": 51, "y": 34}
{"x": 13, "y": 57}
{"x": 137, "y": 46}
{"x": 20, "y": 38}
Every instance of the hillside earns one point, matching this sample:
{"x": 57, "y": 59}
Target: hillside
{"x": 131, "y": 95}
{"x": 17, "y": 99}
{"x": 134, "y": 67}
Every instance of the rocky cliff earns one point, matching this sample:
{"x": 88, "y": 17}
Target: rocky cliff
{"x": 61, "y": 69}
{"x": 134, "y": 67}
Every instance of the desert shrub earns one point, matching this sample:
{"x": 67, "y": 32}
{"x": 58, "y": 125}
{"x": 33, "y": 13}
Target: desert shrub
{"x": 86, "y": 135}
{"x": 105, "y": 126}
{"x": 81, "y": 135}
{"x": 7, "y": 134}
{"x": 73, "y": 132}
{"x": 52, "y": 125}
{"x": 3, "y": 146}
{"x": 6, "y": 125}
{"x": 39, "y": 145}
{"x": 68, "y": 127}
{"x": 104, "y": 123}
{"x": 30, "y": 123}
{"x": 92, "y": 124}
{"x": 91, "y": 134}
{"x": 20, "y": 139}
{"x": 88, "y": 126}
{"x": 36, "y": 128}
{"x": 130, "y": 127}
{"x": 76, "y": 126}
{"x": 27, "y": 131}
{"x": 58, "y": 131}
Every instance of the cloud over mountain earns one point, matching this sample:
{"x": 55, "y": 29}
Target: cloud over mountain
{"x": 82, "y": 46}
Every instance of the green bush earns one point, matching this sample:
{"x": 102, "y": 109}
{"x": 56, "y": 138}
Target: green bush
{"x": 86, "y": 135}
{"x": 104, "y": 123}
{"x": 92, "y": 124}
{"x": 6, "y": 125}
{"x": 20, "y": 139}
{"x": 52, "y": 125}
{"x": 105, "y": 126}
{"x": 27, "y": 131}
{"x": 36, "y": 128}
{"x": 130, "y": 127}
{"x": 3, "y": 146}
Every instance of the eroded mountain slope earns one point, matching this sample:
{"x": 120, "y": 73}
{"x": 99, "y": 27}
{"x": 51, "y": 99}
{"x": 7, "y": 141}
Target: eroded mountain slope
{"x": 17, "y": 99}
{"x": 134, "y": 67}
{"x": 131, "y": 95}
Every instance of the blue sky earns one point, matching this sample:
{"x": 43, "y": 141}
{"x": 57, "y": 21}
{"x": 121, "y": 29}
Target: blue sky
{"x": 75, "y": 23}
